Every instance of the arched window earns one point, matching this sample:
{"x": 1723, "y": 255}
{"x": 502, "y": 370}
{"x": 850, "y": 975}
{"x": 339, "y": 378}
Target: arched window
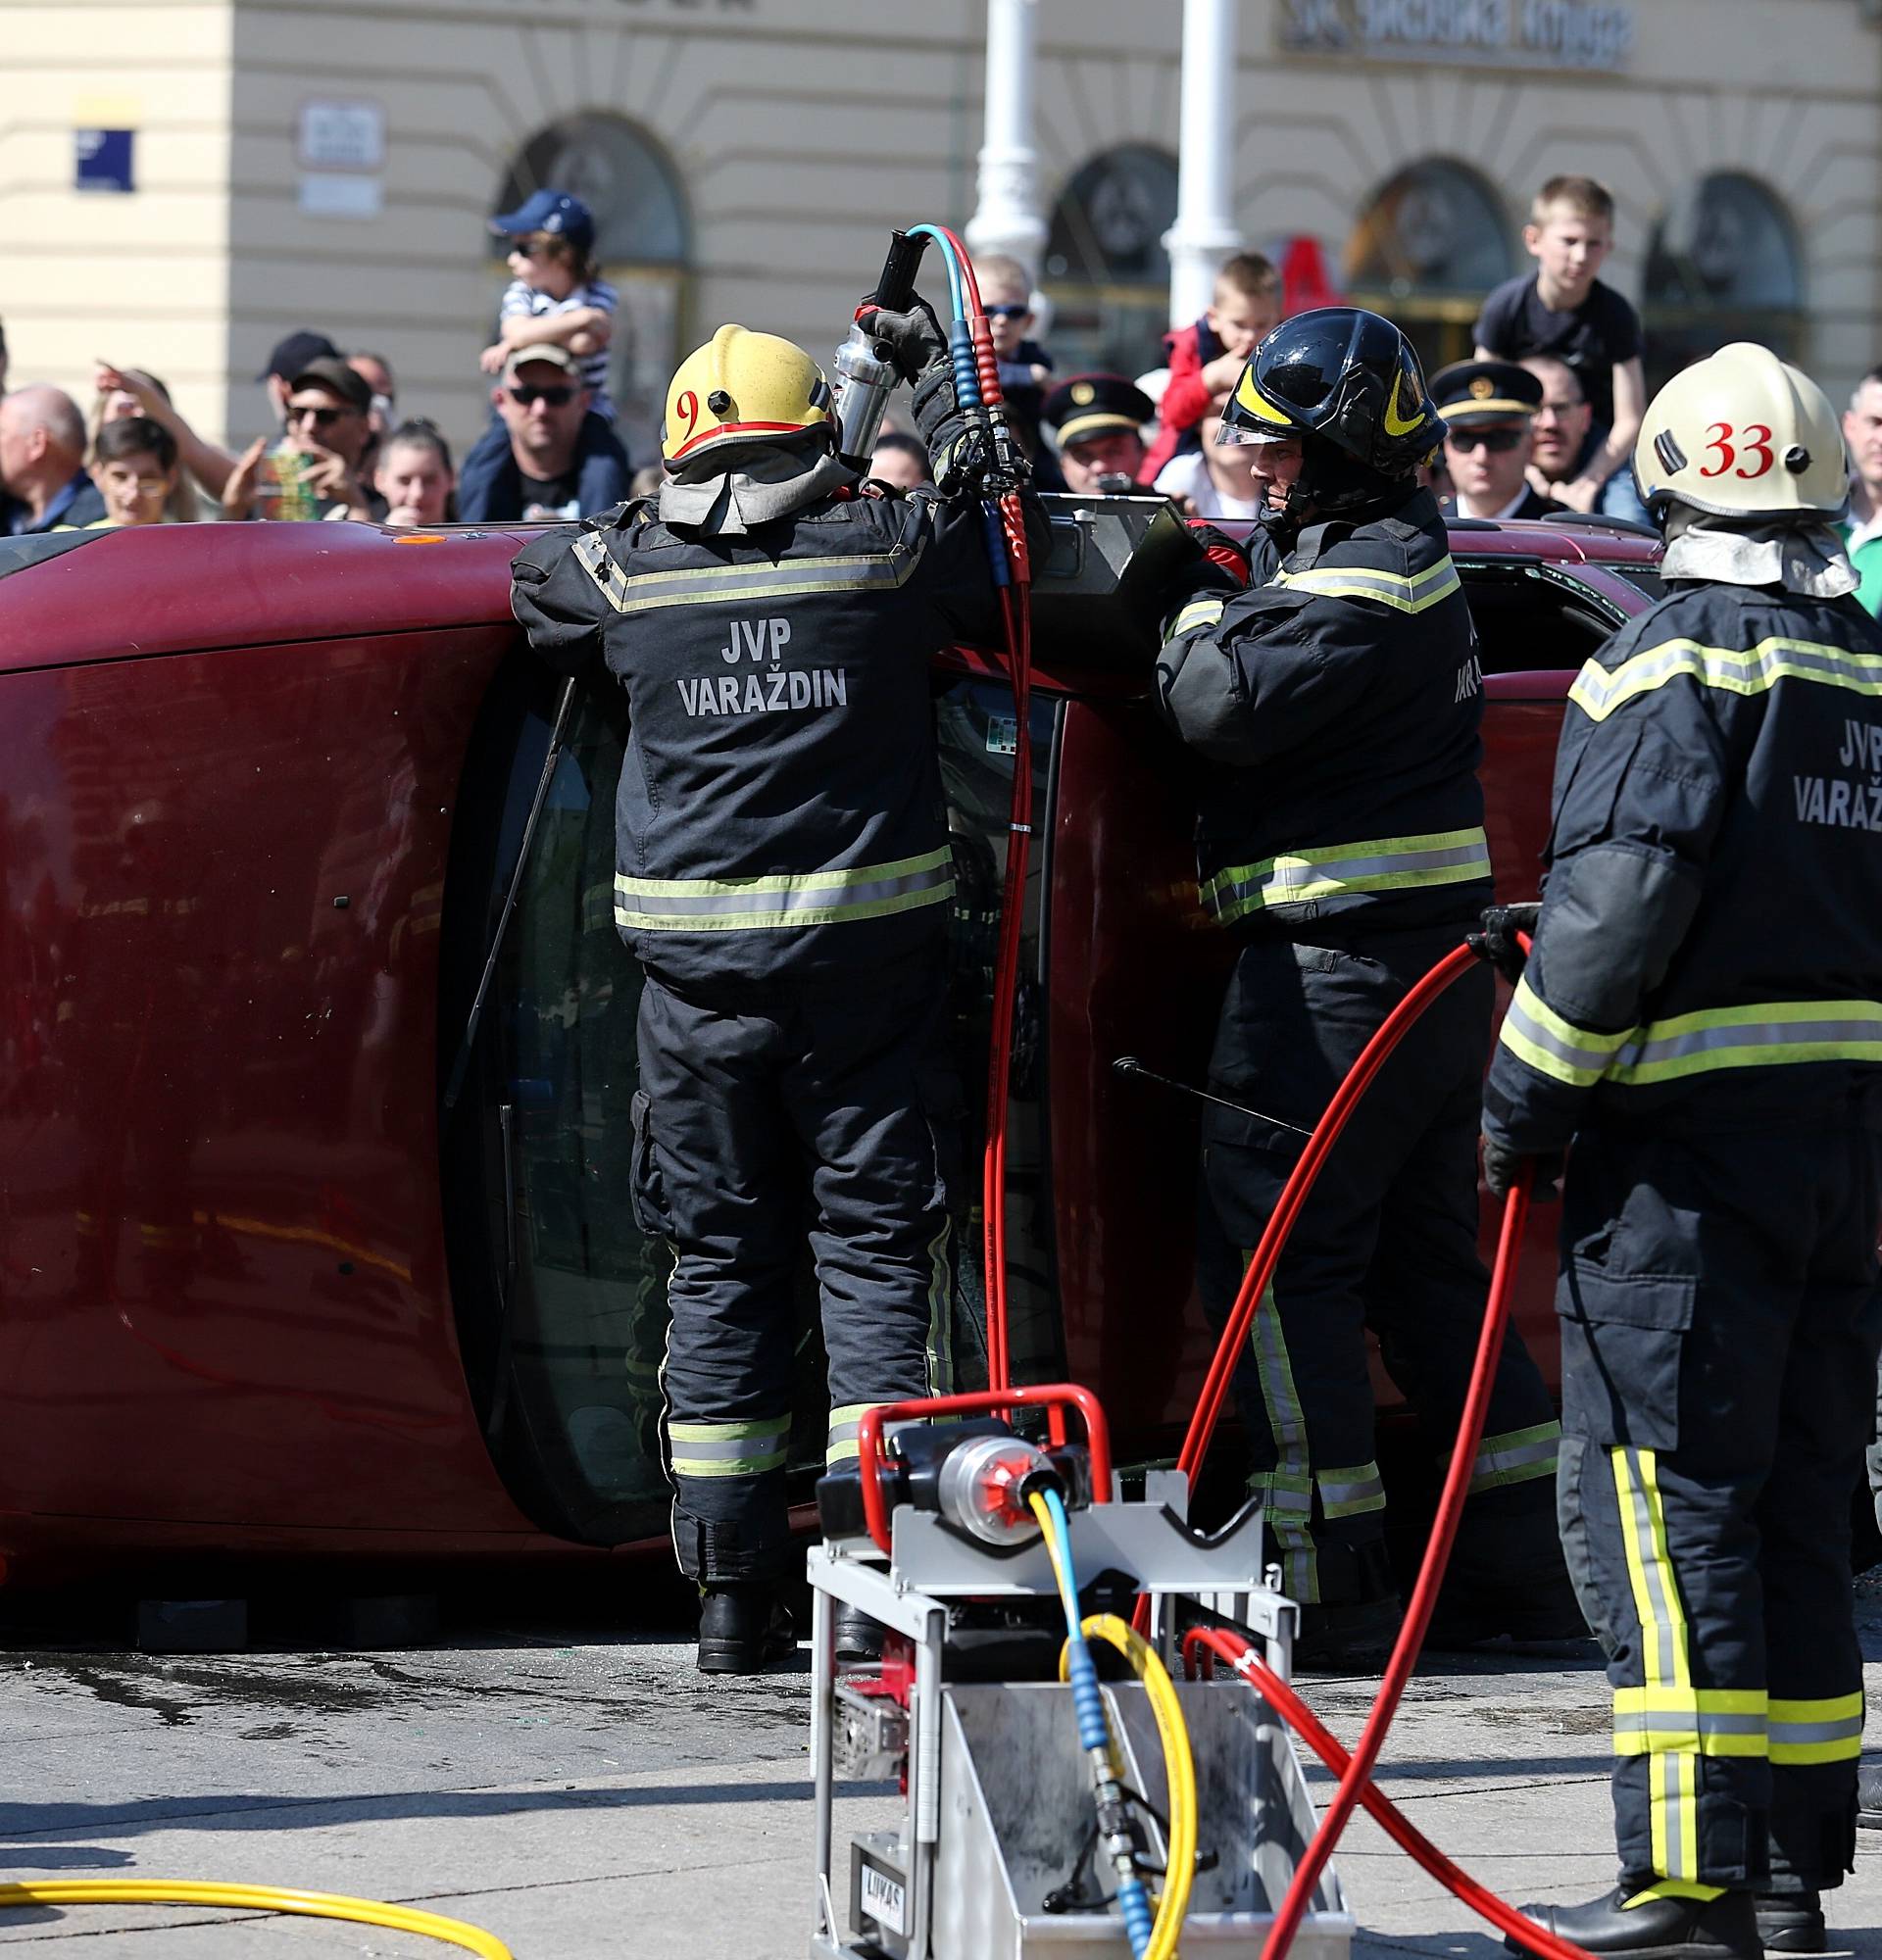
{"x": 1426, "y": 250}
{"x": 1726, "y": 264}
{"x": 642, "y": 239}
{"x": 1105, "y": 268}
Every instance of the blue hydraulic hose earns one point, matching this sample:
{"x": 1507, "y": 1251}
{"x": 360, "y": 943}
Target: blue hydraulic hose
{"x": 966, "y": 386}
{"x": 957, "y": 288}
{"x": 1088, "y": 1703}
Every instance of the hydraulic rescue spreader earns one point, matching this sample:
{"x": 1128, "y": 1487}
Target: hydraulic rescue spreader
{"x": 866, "y": 377}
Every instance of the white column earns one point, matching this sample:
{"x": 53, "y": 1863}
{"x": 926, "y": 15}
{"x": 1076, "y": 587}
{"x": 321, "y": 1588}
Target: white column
{"x": 1204, "y": 232}
{"x": 1007, "y": 218}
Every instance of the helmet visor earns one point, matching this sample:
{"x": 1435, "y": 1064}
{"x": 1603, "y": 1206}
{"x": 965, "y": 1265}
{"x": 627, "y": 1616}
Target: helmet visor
{"x": 1232, "y": 435}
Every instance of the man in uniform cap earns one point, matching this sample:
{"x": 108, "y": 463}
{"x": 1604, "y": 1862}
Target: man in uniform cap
{"x": 1098, "y": 422}
{"x": 1488, "y": 406}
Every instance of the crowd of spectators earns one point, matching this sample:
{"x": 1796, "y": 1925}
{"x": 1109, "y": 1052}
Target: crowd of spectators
{"x": 1542, "y": 418}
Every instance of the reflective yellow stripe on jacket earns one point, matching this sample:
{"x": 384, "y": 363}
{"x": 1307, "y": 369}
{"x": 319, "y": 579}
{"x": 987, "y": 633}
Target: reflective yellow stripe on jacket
{"x": 810, "y": 897}
{"x": 1404, "y": 591}
{"x": 727, "y": 584}
{"x": 1380, "y": 864}
{"x": 1765, "y": 1034}
{"x": 1744, "y": 670}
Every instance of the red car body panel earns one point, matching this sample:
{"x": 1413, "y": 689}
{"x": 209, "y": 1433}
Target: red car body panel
{"x": 232, "y": 760}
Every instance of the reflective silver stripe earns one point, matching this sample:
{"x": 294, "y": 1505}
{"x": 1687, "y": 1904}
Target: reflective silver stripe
{"x": 1404, "y": 591}
{"x": 731, "y": 584}
{"x": 1771, "y": 1032}
{"x": 728, "y": 1448}
{"x": 1198, "y": 613}
{"x": 1381, "y": 864}
{"x": 1848, "y": 1729}
{"x": 1745, "y": 670}
{"x": 1672, "y": 1779}
{"x": 1289, "y": 1487}
{"x": 1828, "y": 1730}
{"x": 813, "y": 897}
{"x": 1516, "y": 1457}
{"x": 1643, "y": 1734}
{"x": 1535, "y": 1033}
{"x": 846, "y": 1424}
{"x": 1348, "y": 1494}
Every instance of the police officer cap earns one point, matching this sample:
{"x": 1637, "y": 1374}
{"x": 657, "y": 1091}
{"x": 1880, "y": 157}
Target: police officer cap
{"x": 1090, "y": 404}
{"x": 1469, "y": 392}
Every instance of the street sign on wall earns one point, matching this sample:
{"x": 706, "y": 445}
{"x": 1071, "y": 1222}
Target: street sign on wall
{"x": 1515, "y": 33}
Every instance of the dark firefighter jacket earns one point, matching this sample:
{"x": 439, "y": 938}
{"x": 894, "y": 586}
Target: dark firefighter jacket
{"x": 1711, "y": 937}
{"x": 780, "y": 808}
{"x": 1341, "y": 703}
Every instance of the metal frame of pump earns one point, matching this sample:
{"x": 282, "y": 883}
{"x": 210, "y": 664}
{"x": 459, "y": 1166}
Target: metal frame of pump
{"x": 931, "y": 1561}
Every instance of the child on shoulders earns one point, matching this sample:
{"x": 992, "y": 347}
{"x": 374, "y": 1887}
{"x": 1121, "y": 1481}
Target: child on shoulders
{"x": 1563, "y": 310}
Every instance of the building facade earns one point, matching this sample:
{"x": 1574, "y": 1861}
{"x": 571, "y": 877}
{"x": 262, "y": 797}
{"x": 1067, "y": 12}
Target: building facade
{"x": 184, "y": 181}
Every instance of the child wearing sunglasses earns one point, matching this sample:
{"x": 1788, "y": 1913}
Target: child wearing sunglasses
{"x": 556, "y": 294}
{"x": 1025, "y": 367}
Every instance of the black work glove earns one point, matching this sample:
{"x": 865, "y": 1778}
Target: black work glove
{"x": 956, "y": 460}
{"x": 914, "y": 339}
{"x": 1497, "y": 942}
{"x": 1500, "y": 1165}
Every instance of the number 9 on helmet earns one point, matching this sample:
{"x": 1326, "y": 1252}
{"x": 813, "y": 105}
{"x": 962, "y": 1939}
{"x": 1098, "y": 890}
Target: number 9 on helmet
{"x": 742, "y": 386}
{"x": 1743, "y": 434}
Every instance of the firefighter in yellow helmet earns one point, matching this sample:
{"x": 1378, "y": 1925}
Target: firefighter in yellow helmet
{"x": 783, "y": 879}
{"x": 1702, "y": 1015}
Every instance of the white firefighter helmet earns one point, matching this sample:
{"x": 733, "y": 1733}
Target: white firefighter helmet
{"x": 1743, "y": 434}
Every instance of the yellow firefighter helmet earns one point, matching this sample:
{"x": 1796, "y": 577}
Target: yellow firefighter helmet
{"x": 742, "y": 386}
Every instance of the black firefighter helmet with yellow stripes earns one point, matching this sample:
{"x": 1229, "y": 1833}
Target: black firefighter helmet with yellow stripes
{"x": 1344, "y": 384}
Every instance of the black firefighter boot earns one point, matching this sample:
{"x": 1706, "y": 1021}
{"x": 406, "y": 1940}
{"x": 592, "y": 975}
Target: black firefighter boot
{"x": 742, "y": 1626}
{"x": 1638, "y": 1922}
{"x": 1791, "y": 1921}
{"x": 857, "y": 1636}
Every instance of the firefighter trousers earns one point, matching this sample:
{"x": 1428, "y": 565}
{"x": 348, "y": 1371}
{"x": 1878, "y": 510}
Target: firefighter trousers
{"x": 1388, "y": 1240}
{"x": 759, "y": 1111}
{"x": 1720, "y": 1319}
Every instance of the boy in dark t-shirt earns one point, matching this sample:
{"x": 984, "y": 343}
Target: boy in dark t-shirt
{"x": 1563, "y": 310}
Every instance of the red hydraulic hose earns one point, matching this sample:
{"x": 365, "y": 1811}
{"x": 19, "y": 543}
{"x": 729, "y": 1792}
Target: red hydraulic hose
{"x": 1294, "y": 1195}
{"x": 1424, "y": 1594}
{"x": 1248, "y": 1664}
{"x": 1015, "y": 602}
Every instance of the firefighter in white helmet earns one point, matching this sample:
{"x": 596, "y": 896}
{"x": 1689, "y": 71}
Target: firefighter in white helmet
{"x": 783, "y": 876}
{"x": 1702, "y": 1017}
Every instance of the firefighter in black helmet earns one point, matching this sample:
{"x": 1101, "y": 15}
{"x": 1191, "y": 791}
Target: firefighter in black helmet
{"x": 783, "y": 876}
{"x": 1336, "y": 707}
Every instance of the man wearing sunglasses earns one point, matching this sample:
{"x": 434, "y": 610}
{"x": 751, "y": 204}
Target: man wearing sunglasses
{"x": 1489, "y": 408}
{"x": 560, "y": 461}
{"x": 312, "y": 470}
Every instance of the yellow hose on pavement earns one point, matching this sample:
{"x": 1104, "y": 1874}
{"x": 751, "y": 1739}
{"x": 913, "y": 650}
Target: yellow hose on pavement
{"x": 255, "y": 1898}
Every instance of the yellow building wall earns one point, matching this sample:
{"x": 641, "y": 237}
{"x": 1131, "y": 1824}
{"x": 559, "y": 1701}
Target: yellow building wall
{"x": 139, "y": 279}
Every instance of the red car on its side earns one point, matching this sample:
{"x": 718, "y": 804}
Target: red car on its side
{"x": 263, "y": 787}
